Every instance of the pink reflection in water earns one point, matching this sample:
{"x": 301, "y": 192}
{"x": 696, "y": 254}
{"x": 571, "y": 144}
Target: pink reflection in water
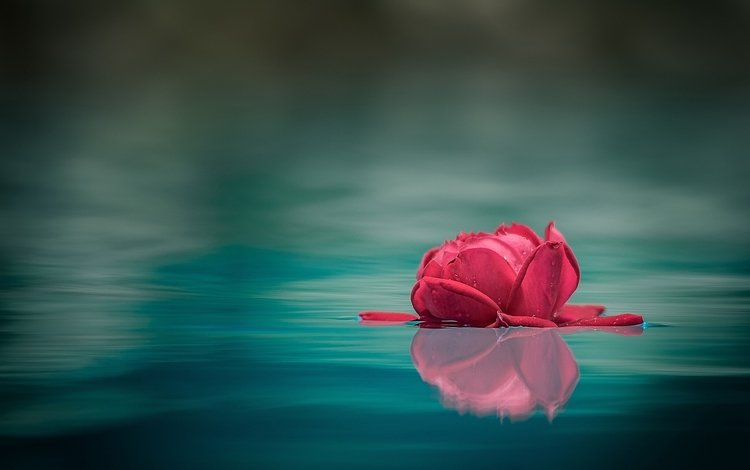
{"x": 504, "y": 372}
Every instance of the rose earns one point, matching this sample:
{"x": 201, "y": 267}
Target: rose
{"x": 507, "y": 278}
{"x": 491, "y": 371}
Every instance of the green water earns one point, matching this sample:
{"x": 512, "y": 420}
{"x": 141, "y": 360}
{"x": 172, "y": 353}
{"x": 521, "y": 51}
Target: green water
{"x": 181, "y": 272}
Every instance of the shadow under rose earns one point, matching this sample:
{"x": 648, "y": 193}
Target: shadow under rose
{"x": 505, "y": 372}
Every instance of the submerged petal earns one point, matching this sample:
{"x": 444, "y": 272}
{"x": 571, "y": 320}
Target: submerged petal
{"x": 551, "y": 386}
{"x": 507, "y": 373}
{"x": 452, "y": 300}
{"x": 627, "y": 330}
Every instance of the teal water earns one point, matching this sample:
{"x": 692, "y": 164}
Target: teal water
{"x": 181, "y": 273}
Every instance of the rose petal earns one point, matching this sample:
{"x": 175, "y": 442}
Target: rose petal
{"x": 446, "y": 252}
{"x": 418, "y": 302}
{"x": 499, "y": 322}
{"x": 570, "y": 312}
{"x": 536, "y": 288}
{"x": 512, "y": 248}
{"x": 426, "y": 259}
{"x": 547, "y": 279}
{"x": 551, "y": 234}
{"x": 484, "y": 270}
{"x": 388, "y": 316}
{"x": 463, "y": 236}
{"x": 522, "y": 320}
{"x": 522, "y": 230}
{"x": 452, "y": 300}
{"x": 432, "y": 269}
{"x": 623, "y": 319}
{"x": 570, "y": 275}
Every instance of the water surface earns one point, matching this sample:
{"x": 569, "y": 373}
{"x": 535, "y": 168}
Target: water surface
{"x": 181, "y": 275}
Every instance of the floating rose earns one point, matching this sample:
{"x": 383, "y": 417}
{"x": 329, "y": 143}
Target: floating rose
{"x": 507, "y": 278}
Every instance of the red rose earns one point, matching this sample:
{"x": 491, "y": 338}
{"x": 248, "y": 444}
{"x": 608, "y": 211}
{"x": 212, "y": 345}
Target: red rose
{"x": 507, "y": 278}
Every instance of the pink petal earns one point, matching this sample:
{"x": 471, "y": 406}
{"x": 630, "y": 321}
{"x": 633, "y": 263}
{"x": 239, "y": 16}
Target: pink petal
{"x": 570, "y": 275}
{"x": 484, "y": 270}
{"x": 521, "y": 320}
{"x": 388, "y": 316}
{"x": 463, "y": 236}
{"x": 418, "y": 302}
{"x": 512, "y": 248}
{"x": 447, "y": 299}
{"x": 520, "y": 229}
{"x": 426, "y": 259}
{"x": 499, "y": 322}
{"x": 547, "y": 279}
{"x": 446, "y": 252}
{"x": 432, "y": 269}
{"x": 570, "y": 312}
{"x": 623, "y": 319}
{"x": 551, "y": 234}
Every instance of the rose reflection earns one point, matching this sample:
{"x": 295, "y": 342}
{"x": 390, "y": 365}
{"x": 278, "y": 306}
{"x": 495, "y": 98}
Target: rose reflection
{"x": 505, "y": 372}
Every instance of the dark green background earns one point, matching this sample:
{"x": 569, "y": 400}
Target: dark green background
{"x": 197, "y": 198}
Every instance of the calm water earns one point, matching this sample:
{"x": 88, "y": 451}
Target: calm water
{"x": 181, "y": 275}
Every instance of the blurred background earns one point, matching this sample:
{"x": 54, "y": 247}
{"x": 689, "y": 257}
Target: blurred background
{"x": 193, "y": 192}
{"x": 164, "y": 111}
